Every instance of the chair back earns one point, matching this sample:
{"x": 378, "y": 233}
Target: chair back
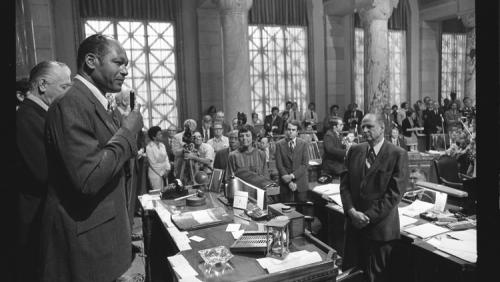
{"x": 447, "y": 168}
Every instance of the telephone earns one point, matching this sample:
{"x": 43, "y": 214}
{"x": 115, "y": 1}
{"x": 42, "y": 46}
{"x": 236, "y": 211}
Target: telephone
{"x": 325, "y": 179}
{"x": 256, "y": 213}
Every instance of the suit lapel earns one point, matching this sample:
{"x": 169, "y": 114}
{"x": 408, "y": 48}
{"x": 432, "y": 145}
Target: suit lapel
{"x": 99, "y": 109}
{"x": 380, "y": 159}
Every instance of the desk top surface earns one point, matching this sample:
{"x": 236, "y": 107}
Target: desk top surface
{"x": 244, "y": 265}
{"x": 416, "y": 241}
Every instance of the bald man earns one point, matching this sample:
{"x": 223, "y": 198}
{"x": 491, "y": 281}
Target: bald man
{"x": 48, "y": 80}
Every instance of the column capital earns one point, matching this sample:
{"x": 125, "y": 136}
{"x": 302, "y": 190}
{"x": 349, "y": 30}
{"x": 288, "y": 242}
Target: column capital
{"x": 468, "y": 19}
{"x": 233, "y": 6}
{"x": 379, "y": 10}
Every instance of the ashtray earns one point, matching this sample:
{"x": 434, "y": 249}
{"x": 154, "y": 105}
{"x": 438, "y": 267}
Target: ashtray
{"x": 216, "y": 255}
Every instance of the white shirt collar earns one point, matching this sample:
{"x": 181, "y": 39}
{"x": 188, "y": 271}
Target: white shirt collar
{"x": 102, "y": 99}
{"x": 38, "y": 101}
{"x": 377, "y": 146}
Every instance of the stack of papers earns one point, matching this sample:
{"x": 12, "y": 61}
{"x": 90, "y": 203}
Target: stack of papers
{"x": 416, "y": 208}
{"x": 461, "y": 244}
{"x": 426, "y": 230}
{"x": 183, "y": 269}
{"x": 295, "y": 259}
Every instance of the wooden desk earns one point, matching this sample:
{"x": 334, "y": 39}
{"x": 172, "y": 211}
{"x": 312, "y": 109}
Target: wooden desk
{"x": 159, "y": 244}
{"x": 413, "y": 255}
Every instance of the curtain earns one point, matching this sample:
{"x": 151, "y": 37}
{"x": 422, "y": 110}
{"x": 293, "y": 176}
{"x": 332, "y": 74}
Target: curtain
{"x": 25, "y": 41}
{"x": 151, "y": 10}
{"x": 278, "y": 12}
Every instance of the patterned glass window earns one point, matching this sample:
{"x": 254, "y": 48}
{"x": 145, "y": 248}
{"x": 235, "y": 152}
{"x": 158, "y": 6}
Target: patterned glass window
{"x": 397, "y": 66}
{"x": 359, "y": 68}
{"x": 278, "y": 67}
{"x": 151, "y": 71}
{"x": 453, "y": 64}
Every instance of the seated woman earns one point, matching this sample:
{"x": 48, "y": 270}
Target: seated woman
{"x": 159, "y": 164}
{"x": 409, "y": 122}
{"x": 246, "y": 157}
{"x": 396, "y": 139}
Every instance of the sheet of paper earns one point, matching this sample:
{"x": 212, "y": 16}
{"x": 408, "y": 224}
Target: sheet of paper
{"x": 237, "y": 234}
{"x": 336, "y": 198}
{"x": 416, "y": 208}
{"x": 202, "y": 216}
{"x": 196, "y": 238}
{"x": 232, "y": 227}
{"x": 440, "y": 202}
{"x": 294, "y": 259}
{"x": 181, "y": 266}
{"x": 240, "y": 199}
{"x": 466, "y": 250}
{"x": 426, "y": 230}
{"x": 180, "y": 238}
{"x": 464, "y": 235}
{"x": 406, "y": 220}
{"x": 331, "y": 188}
{"x": 164, "y": 214}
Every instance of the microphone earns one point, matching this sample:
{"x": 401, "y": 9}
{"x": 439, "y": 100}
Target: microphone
{"x": 132, "y": 99}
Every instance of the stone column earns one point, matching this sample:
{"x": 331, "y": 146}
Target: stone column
{"x": 470, "y": 60}
{"x": 236, "y": 66}
{"x": 374, "y": 21}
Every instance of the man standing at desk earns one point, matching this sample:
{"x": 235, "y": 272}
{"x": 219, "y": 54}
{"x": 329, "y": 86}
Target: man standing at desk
{"x": 292, "y": 161}
{"x": 371, "y": 189}
{"x": 86, "y": 230}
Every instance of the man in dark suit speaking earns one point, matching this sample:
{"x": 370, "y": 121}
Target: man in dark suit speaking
{"x": 371, "y": 189}
{"x": 86, "y": 231}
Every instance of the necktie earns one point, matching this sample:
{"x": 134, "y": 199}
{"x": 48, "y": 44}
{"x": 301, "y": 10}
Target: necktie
{"x": 371, "y": 156}
{"x": 312, "y": 115}
{"x": 206, "y": 135}
{"x": 294, "y": 115}
{"x": 290, "y": 144}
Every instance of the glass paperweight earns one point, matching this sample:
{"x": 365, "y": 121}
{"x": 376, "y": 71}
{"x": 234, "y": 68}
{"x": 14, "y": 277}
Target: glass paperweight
{"x": 216, "y": 255}
{"x": 216, "y": 262}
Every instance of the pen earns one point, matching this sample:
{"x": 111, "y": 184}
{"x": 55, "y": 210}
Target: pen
{"x": 451, "y": 237}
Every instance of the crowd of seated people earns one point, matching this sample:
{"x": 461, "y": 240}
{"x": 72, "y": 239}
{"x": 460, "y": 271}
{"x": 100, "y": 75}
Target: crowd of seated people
{"x": 220, "y": 139}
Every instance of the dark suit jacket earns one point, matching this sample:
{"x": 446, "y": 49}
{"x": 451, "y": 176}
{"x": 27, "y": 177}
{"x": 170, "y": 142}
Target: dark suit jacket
{"x": 333, "y": 159}
{"x": 406, "y": 125}
{"x": 358, "y": 115}
{"x": 376, "y": 191}
{"x": 431, "y": 121}
{"x": 296, "y": 162}
{"x": 86, "y": 230}
{"x": 268, "y": 124}
{"x": 31, "y": 184}
{"x": 211, "y": 129}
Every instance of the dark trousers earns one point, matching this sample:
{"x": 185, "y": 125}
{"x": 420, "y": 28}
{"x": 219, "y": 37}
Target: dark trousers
{"x": 373, "y": 257}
